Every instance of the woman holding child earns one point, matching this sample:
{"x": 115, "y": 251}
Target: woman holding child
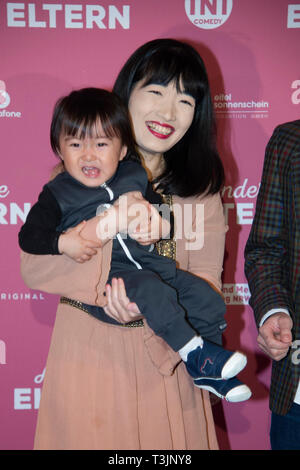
{"x": 122, "y": 387}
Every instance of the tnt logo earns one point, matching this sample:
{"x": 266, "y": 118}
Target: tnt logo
{"x": 208, "y": 14}
{"x": 4, "y": 96}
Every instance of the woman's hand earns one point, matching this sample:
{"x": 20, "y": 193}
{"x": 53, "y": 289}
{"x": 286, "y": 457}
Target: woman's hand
{"x": 140, "y": 219}
{"x": 157, "y": 228}
{"x": 118, "y": 305}
{"x": 59, "y": 168}
{"x": 133, "y": 211}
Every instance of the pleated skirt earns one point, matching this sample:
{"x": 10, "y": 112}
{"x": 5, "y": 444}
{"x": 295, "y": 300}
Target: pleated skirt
{"x": 102, "y": 391}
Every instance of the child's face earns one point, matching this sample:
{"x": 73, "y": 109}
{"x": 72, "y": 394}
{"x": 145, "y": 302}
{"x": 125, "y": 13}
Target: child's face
{"x": 91, "y": 160}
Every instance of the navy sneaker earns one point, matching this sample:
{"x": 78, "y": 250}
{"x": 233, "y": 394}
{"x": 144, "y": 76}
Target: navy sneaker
{"x": 231, "y": 390}
{"x": 214, "y": 362}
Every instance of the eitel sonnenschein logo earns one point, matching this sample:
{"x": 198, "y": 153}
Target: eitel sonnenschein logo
{"x": 4, "y": 96}
{"x": 208, "y": 14}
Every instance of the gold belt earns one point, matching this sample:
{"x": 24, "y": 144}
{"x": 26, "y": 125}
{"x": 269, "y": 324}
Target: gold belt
{"x": 80, "y": 306}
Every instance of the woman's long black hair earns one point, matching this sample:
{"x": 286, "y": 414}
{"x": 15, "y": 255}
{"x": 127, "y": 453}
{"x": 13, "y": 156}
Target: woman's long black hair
{"x": 193, "y": 165}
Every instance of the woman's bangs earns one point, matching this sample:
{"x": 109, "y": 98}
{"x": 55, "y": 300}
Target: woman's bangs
{"x": 163, "y": 69}
{"x": 192, "y": 85}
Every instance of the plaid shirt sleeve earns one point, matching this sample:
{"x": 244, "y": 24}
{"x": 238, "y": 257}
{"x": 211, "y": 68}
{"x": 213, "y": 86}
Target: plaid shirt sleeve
{"x": 266, "y": 252}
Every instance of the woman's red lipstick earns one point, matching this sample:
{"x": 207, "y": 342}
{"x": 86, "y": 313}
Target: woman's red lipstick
{"x": 162, "y": 131}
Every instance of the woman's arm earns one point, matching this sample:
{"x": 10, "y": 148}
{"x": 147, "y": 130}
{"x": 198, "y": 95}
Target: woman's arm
{"x": 207, "y": 261}
{"x": 63, "y": 276}
{"x": 59, "y": 274}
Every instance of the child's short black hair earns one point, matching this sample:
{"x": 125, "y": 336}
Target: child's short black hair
{"x": 79, "y": 113}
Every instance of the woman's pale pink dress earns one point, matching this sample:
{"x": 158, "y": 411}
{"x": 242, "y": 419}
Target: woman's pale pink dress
{"x": 114, "y": 387}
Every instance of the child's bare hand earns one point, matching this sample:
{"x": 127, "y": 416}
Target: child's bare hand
{"x": 72, "y": 244}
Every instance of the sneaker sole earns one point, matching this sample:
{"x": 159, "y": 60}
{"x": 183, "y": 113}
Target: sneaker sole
{"x": 236, "y": 395}
{"x": 234, "y": 365}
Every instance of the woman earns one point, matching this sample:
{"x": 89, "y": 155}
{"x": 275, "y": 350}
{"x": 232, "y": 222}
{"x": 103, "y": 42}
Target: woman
{"x": 118, "y": 387}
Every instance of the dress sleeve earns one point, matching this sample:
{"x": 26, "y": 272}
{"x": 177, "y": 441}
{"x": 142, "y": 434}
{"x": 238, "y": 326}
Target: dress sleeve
{"x": 206, "y": 260}
{"x": 59, "y": 274}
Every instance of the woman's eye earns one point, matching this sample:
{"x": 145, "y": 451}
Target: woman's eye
{"x": 187, "y": 103}
{"x": 155, "y": 92}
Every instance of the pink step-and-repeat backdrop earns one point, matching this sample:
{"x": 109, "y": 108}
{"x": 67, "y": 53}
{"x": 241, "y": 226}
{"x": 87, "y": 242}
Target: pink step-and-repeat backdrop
{"x": 251, "y": 49}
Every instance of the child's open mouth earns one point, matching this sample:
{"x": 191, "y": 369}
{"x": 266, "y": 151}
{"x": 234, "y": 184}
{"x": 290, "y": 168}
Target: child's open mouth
{"x": 90, "y": 171}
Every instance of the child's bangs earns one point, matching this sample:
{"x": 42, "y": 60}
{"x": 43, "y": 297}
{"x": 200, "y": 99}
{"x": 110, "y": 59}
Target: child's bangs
{"x": 91, "y": 126}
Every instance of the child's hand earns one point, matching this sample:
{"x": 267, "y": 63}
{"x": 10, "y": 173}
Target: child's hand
{"x": 75, "y": 246}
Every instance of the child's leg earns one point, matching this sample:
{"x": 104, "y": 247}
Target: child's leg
{"x": 204, "y": 306}
{"x": 218, "y": 367}
{"x": 158, "y": 303}
{"x": 206, "y": 309}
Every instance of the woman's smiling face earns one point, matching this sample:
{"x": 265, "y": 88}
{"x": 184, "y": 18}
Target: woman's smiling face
{"x": 161, "y": 115}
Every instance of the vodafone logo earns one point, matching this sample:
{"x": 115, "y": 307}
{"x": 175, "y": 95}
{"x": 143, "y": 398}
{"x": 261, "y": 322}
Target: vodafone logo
{"x": 4, "y": 103}
{"x": 4, "y": 96}
{"x": 208, "y": 14}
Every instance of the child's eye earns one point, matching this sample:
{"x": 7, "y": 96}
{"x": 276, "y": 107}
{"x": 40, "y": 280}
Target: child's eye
{"x": 101, "y": 144}
{"x": 75, "y": 144}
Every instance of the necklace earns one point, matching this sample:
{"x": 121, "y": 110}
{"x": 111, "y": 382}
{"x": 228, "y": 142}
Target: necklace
{"x": 167, "y": 247}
